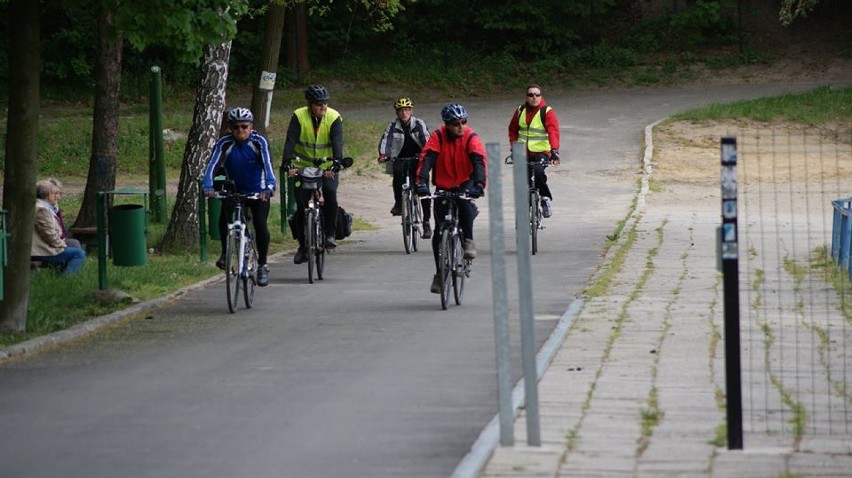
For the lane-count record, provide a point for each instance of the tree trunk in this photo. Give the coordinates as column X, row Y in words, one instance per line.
column 272, row 33
column 182, row 233
column 102, row 163
column 21, row 144
column 297, row 40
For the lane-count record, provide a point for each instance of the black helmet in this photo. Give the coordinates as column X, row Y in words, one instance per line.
column 453, row 112
column 317, row 93
column 240, row 115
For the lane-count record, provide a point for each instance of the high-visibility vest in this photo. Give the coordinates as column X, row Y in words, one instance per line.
column 534, row 134
column 314, row 145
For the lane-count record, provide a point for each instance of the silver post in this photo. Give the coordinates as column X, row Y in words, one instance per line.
column 525, row 298
column 499, row 295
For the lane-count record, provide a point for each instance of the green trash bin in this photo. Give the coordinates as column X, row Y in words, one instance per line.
column 127, row 231
column 214, row 209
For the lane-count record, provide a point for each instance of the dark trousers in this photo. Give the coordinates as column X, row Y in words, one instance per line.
column 259, row 211
column 541, row 180
column 467, row 213
column 329, row 208
column 400, row 169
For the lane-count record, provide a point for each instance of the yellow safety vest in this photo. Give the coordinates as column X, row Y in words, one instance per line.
column 534, row 134
column 312, row 146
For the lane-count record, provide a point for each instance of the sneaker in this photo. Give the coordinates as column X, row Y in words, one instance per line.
column 330, row 242
column 396, row 210
column 220, row 262
column 546, row 207
column 427, row 231
column 300, row 256
column 436, row 285
column 263, row 275
column 469, row 249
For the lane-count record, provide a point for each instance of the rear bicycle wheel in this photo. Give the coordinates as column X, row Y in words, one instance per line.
column 535, row 219
column 310, row 242
column 458, row 270
column 445, row 267
column 232, row 269
column 407, row 221
column 249, row 272
column 320, row 245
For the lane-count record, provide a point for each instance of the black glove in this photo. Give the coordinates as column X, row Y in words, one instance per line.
column 421, row 190
column 474, row 190
column 554, row 154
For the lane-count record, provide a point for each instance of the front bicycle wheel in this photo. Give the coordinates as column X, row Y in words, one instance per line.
column 320, row 245
column 445, row 267
column 232, row 269
column 249, row 271
column 310, row 242
column 416, row 221
column 458, row 270
column 407, row 221
column 535, row 219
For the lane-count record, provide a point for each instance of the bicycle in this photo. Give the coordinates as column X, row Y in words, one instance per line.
column 411, row 209
column 314, row 227
column 240, row 250
column 453, row 268
column 535, row 211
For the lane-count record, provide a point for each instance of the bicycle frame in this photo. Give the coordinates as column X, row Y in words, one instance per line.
column 245, row 266
column 411, row 209
column 453, row 267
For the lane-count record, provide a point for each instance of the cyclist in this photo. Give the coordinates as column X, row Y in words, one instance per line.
column 536, row 124
column 315, row 132
column 404, row 138
column 243, row 155
column 456, row 155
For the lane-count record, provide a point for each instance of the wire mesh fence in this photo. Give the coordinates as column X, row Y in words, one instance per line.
column 795, row 315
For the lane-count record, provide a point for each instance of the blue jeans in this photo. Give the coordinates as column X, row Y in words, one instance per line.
column 70, row 261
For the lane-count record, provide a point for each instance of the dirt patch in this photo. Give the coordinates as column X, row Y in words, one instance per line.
column 777, row 152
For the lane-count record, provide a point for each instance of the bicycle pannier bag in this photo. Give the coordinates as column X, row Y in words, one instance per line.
column 344, row 224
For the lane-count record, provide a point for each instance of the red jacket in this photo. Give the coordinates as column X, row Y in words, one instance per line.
column 551, row 123
column 455, row 161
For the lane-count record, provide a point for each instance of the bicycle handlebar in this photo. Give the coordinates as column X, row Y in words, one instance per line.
column 332, row 164
column 227, row 194
column 538, row 159
column 450, row 193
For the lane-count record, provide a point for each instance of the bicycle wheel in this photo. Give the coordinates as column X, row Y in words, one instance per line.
column 458, row 270
column 535, row 219
column 249, row 271
column 310, row 242
column 416, row 221
column 320, row 245
column 407, row 221
column 232, row 269
column 445, row 266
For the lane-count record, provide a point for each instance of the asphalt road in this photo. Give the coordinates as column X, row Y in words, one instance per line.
column 359, row 375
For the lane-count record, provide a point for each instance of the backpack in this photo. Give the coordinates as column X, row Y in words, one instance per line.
column 344, row 224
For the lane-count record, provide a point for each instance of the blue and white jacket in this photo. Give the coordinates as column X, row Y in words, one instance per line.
column 248, row 164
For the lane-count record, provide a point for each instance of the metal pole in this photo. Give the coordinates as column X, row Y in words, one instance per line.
column 499, row 296
column 157, row 170
column 525, row 302
column 282, row 179
column 730, row 272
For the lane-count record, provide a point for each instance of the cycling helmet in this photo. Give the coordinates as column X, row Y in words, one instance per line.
column 240, row 115
column 453, row 112
column 403, row 103
column 317, row 94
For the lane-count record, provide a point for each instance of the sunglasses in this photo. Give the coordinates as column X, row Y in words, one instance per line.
column 456, row 123
column 241, row 126
column 533, row 95
column 319, row 103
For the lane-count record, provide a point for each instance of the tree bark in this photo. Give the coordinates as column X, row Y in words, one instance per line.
column 272, row 33
column 182, row 232
column 21, row 158
column 102, row 163
column 297, row 40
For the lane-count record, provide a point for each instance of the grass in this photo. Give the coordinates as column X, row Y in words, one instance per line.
column 812, row 108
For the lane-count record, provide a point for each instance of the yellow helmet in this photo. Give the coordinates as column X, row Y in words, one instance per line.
column 403, row 103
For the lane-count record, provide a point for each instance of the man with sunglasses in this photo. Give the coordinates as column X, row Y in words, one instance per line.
column 315, row 132
column 456, row 155
column 535, row 124
column 243, row 155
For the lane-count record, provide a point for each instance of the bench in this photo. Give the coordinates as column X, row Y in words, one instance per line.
column 88, row 237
